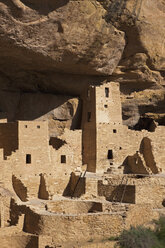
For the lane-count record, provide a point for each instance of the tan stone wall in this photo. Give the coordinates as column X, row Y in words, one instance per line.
column 56, row 184
column 116, row 192
column 108, row 104
column 80, row 228
column 109, row 137
column 71, row 149
column 4, row 210
column 28, row 186
column 6, row 174
column 74, row 206
column 105, row 131
column 32, row 133
column 126, row 142
column 148, row 190
column 84, row 227
column 104, row 110
column 140, row 214
column 153, row 193
column 19, row 240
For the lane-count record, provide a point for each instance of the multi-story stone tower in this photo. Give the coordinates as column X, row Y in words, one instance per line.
column 101, row 122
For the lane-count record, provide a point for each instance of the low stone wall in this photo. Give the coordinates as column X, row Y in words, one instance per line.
column 68, row 228
column 84, row 227
column 19, row 240
column 74, row 207
column 131, row 189
column 118, row 193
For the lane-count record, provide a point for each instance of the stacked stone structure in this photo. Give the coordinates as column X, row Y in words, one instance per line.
column 85, row 184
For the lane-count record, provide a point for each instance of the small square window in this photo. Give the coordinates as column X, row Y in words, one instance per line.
column 105, row 106
column 63, row 159
column 38, row 126
column 114, row 131
column 106, row 92
column 28, row 158
column 25, row 126
column 110, row 154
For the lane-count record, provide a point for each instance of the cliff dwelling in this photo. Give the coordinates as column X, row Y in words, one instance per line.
column 82, row 121
column 45, row 179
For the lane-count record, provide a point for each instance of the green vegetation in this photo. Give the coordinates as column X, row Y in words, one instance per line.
column 113, row 238
column 141, row 237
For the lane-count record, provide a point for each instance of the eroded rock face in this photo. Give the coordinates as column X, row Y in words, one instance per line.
column 66, row 37
column 142, row 67
column 63, row 46
column 60, row 111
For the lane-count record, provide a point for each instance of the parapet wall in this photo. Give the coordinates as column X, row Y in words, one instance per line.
column 84, row 227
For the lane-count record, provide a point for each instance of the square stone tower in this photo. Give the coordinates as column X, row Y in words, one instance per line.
column 101, row 121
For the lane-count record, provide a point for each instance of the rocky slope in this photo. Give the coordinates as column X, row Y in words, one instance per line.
column 60, row 47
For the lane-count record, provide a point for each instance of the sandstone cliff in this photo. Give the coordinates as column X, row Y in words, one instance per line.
column 62, row 46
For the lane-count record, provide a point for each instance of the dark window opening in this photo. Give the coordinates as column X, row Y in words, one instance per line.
column 107, row 92
column 114, row 131
column 110, row 154
column 38, row 126
column 120, row 148
column 63, row 159
column 89, row 116
column 105, row 106
column 25, row 126
column 28, row 158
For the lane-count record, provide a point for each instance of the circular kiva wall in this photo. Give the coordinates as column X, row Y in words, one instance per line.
column 74, row 207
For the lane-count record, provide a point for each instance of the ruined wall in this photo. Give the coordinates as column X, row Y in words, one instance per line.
column 56, row 183
column 117, row 193
column 125, row 142
column 54, row 163
column 74, row 206
column 114, row 142
column 68, row 155
column 153, row 154
column 83, row 227
column 146, row 190
column 152, row 192
column 18, row 240
column 140, row 214
column 4, row 209
column 6, row 174
column 80, row 227
column 32, row 186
